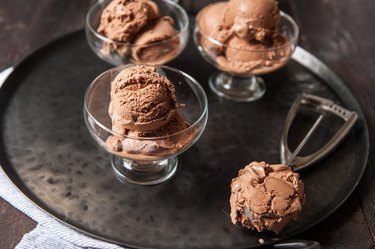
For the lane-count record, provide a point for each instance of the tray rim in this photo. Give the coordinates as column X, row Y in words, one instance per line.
column 300, row 56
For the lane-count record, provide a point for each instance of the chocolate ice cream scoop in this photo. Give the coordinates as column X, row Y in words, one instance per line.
column 242, row 56
column 137, row 31
column 122, row 19
column 255, row 19
column 266, row 197
column 141, row 100
column 154, row 148
column 144, row 110
column 156, row 42
column 175, row 125
column 211, row 18
column 212, row 25
column 243, row 36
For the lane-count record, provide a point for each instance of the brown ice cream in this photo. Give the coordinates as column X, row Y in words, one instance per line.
column 144, row 111
column 266, row 197
column 240, row 33
column 141, row 100
column 149, row 45
column 212, row 23
column 253, row 19
column 133, row 25
column 122, row 19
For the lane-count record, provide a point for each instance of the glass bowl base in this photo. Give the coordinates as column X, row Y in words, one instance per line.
column 237, row 88
column 144, row 172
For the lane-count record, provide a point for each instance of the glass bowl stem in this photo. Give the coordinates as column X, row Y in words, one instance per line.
column 144, row 172
column 238, row 88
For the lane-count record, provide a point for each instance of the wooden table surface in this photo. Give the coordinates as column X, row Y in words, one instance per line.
column 340, row 33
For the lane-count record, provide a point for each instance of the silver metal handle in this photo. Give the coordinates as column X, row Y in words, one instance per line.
column 4, row 74
column 297, row 244
column 322, row 105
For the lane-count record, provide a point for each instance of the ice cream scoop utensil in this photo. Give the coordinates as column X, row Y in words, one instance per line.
column 323, row 106
column 304, row 140
column 245, row 188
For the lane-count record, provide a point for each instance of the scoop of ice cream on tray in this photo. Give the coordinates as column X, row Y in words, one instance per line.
column 242, row 39
column 269, row 196
column 266, row 197
column 137, row 31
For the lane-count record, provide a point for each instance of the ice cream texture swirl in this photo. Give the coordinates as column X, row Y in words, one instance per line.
column 242, row 35
column 145, row 113
column 266, row 196
column 138, row 30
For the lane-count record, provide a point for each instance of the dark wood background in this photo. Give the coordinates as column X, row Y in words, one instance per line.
column 340, row 33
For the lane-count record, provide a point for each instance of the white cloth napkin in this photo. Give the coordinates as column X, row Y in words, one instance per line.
column 49, row 233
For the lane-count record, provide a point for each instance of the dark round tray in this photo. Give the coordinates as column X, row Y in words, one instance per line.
column 46, row 150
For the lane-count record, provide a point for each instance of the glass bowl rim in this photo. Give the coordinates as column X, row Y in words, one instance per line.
column 198, row 86
column 289, row 43
column 102, row 37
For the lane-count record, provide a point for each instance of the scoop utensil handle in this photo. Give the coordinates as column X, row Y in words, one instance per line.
column 304, row 140
column 323, row 106
column 297, row 244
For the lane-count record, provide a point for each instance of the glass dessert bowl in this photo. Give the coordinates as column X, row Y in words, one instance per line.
column 139, row 32
column 144, row 151
column 241, row 61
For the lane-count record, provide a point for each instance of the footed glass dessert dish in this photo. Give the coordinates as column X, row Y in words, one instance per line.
column 145, row 116
column 140, row 32
column 242, row 49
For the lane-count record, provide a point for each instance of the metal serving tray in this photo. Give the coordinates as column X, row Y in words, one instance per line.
column 48, row 154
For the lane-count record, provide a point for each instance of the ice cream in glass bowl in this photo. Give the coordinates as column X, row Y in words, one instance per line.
column 244, row 39
column 145, row 116
column 137, row 31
